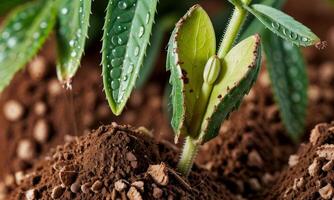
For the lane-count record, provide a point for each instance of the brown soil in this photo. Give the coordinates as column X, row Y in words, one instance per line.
column 37, row 114
column 310, row 173
column 114, row 162
column 251, row 148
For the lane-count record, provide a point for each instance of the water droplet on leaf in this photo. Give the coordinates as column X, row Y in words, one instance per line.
column 141, row 31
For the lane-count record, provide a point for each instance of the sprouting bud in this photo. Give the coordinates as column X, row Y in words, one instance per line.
column 211, row 70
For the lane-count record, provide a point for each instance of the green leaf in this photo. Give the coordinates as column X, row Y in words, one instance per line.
column 73, row 19
column 159, row 30
column 283, row 25
column 21, row 36
column 240, row 69
column 191, row 45
column 288, row 75
column 254, row 26
column 126, row 35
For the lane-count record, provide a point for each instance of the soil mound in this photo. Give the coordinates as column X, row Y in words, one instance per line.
column 114, row 162
column 310, row 173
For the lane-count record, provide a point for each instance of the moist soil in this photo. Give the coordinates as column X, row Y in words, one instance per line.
column 114, row 162
column 310, row 173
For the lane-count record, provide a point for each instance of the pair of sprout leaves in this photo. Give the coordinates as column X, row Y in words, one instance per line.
column 127, row 31
column 207, row 88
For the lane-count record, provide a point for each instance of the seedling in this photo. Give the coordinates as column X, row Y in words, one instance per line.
column 207, row 85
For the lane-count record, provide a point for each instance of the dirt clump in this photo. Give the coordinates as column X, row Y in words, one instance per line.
column 110, row 163
column 312, row 176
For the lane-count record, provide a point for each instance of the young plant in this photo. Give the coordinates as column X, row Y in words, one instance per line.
column 207, row 85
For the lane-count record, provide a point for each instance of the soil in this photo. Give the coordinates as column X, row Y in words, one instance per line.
column 114, row 162
column 37, row 113
column 310, row 173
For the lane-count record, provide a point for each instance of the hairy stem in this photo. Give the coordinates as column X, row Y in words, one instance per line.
column 188, row 155
column 233, row 29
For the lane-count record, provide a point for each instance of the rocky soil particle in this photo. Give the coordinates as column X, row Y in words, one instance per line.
column 312, row 177
column 98, row 166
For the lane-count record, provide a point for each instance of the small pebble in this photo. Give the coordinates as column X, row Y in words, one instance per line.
column 67, row 178
column 293, row 160
column 97, row 186
column 41, row 131
column 37, row 68
column 40, row 108
column 254, row 184
column 57, row 192
column 159, row 173
column 75, row 187
column 13, row 110
column 254, row 159
column 133, row 194
column 19, row 176
column 120, row 185
column 313, row 169
column 328, row 166
column 26, row 150
column 85, row 188
column 31, row 194
column 326, row 192
column 157, row 192
column 54, row 87
column 139, row 185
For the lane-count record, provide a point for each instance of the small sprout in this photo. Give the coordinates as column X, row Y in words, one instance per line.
column 212, row 70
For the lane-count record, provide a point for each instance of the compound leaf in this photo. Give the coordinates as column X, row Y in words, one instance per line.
column 73, row 19
column 126, row 35
column 288, row 76
column 240, row 68
column 191, row 45
column 283, row 25
column 21, row 36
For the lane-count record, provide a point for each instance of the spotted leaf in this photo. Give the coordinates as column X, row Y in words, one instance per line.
column 284, row 25
column 240, row 69
column 191, row 45
column 127, row 31
column 21, row 36
column 288, row 76
column 73, row 19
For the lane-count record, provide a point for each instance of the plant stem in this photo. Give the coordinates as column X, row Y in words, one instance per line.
column 188, row 155
column 233, row 28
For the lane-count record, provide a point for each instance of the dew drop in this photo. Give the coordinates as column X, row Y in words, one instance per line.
column 120, row 41
column 36, row 35
column 115, row 84
column 114, row 40
column 118, row 51
column 115, row 72
column 73, row 54
column 130, row 68
column 147, row 19
column 115, row 95
column 5, row 35
column 78, row 32
column 304, row 39
column 275, row 25
column 64, row 11
column 43, row 25
column 116, row 62
column 293, row 36
column 122, row 5
column 125, row 78
column 71, row 43
column 11, row 42
column 285, row 32
column 17, row 26
column 141, row 31
column 136, row 52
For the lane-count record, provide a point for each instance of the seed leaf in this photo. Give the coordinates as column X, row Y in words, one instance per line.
column 21, row 36
column 283, row 25
column 127, row 31
column 289, row 80
column 73, row 19
column 191, row 45
column 240, row 68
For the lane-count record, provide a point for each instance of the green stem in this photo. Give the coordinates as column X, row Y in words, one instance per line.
column 233, row 28
column 188, row 155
